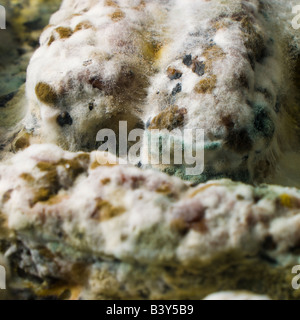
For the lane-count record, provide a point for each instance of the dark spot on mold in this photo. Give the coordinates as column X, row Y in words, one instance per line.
column 269, row 244
column 239, row 141
column 91, row 106
column 262, row 169
column 64, row 119
column 243, row 81
column 6, row 98
column 177, row 89
column 126, row 78
column 245, row 158
column 187, row 60
column 97, row 83
column 255, row 41
column 174, row 74
column 191, row 219
column 264, row 124
column 228, row 122
column 198, row 67
column 265, row 92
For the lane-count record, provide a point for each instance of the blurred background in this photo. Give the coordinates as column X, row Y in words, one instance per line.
column 25, row 20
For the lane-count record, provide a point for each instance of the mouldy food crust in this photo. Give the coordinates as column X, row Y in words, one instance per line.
column 133, row 62
column 70, row 219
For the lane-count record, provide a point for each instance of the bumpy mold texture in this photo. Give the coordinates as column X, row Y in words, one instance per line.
column 71, row 228
column 227, row 64
column 119, row 232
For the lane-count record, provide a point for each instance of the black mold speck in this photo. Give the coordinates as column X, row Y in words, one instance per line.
column 177, row 75
column 91, row 106
column 264, row 124
column 187, row 60
column 199, row 68
column 64, row 119
column 177, row 89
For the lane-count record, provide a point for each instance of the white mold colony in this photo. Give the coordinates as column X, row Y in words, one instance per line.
column 216, row 65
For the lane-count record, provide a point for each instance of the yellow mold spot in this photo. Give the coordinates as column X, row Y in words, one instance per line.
column 164, row 188
column 64, row 32
column 110, row 3
column 83, row 26
column 206, row 86
column 118, row 15
column 171, row 118
column 105, row 211
column 211, row 54
column 51, row 40
column 46, row 93
column 289, row 201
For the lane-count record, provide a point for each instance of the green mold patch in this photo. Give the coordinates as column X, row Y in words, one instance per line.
column 263, row 122
column 46, row 94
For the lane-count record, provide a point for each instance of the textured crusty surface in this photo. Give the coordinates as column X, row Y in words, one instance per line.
column 233, row 296
column 227, row 67
column 122, row 232
column 71, row 228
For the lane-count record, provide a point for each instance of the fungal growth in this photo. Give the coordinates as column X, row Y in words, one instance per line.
column 74, row 225
column 141, row 62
